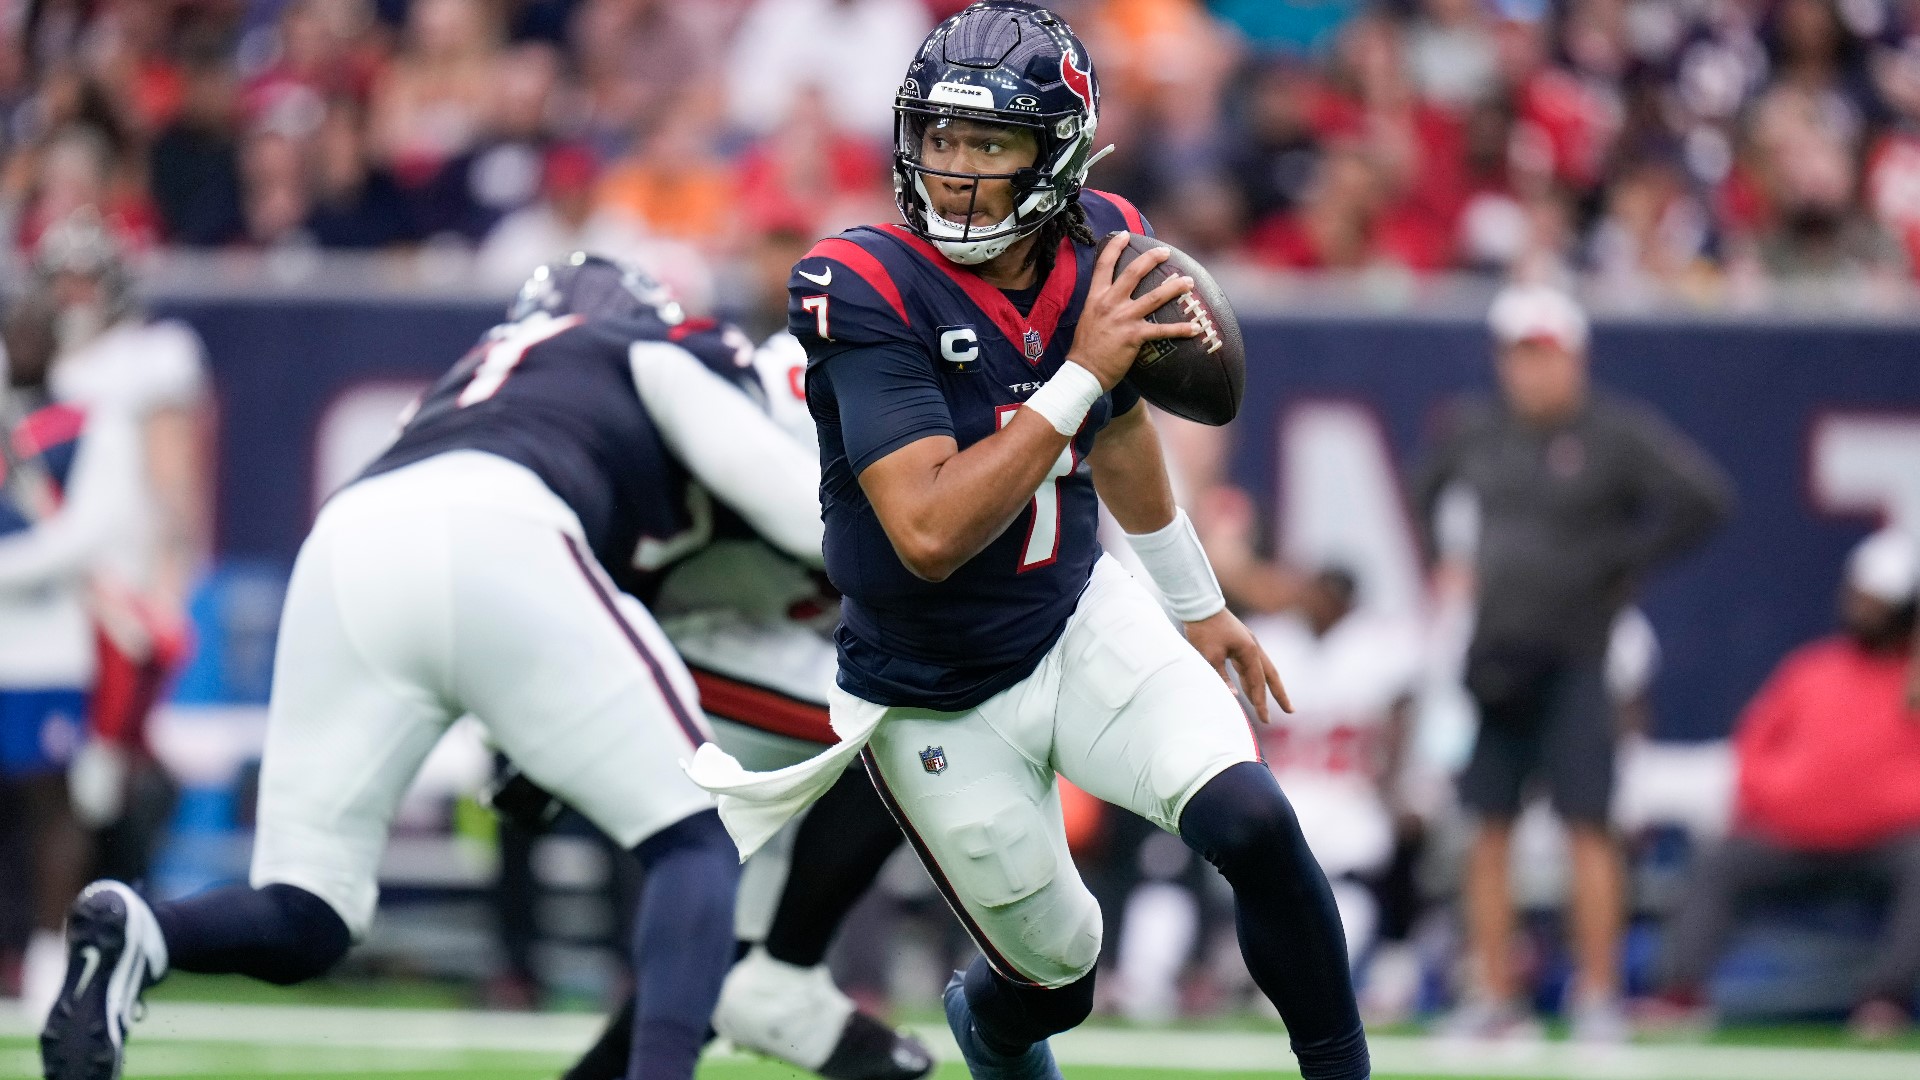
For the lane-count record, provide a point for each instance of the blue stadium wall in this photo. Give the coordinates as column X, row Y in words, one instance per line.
column 1755, row 394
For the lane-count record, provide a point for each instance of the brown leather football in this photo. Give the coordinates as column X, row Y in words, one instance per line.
column 1199, row 378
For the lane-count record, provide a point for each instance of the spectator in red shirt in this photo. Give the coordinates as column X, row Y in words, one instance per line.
column 1828, row 795
column 1348, row 223
column 320, row 51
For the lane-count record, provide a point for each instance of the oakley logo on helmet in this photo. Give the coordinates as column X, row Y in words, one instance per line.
column 1025, row 102
column 1078, row 80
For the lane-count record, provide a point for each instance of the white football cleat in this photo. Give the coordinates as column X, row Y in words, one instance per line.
column 114, row 952
column 799, row 1016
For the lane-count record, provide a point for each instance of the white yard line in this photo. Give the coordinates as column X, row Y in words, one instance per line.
column 162, row 1058
column 438, row 1039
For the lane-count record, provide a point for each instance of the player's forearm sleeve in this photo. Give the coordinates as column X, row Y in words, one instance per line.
column 103, row 485
column 1179, row 568
column 732, row 447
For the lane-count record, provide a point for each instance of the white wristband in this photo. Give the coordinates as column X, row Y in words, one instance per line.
column 1179, row 567
column 1066, row 397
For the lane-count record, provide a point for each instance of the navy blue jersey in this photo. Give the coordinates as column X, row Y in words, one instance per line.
column 903, row 344
column 557, row 395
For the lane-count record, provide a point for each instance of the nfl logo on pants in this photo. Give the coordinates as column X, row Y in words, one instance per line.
column 934, row 759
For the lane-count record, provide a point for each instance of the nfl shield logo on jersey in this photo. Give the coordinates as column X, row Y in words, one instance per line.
column 934, row 759
column 1033, row 345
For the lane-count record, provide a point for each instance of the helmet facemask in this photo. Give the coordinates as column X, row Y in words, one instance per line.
column 1040, row 190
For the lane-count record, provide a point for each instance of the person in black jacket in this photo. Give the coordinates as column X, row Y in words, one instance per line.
column 1579, row 494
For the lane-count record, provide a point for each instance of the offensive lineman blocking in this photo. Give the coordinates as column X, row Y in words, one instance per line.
column 754, row 627
column 965, row 378
column 472, row 568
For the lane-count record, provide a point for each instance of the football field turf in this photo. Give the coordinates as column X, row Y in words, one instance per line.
column 228, row 1041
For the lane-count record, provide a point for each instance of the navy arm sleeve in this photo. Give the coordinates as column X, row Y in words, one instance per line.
column 885, row 396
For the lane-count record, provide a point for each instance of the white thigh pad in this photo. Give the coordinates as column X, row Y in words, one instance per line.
column 1004, row 852
column 991, row 821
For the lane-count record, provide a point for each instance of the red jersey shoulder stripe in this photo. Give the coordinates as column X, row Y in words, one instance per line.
column 862, row 262
column 48, row 427
column 1135, row 223
column 1044, row 317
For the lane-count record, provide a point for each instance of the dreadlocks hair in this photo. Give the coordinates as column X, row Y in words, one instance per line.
column 1070, row 222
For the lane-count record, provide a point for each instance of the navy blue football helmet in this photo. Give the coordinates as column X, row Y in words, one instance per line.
column 1000, row 62
column 597, row 287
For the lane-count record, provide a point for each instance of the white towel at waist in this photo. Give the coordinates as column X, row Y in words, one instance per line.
column 754, row 805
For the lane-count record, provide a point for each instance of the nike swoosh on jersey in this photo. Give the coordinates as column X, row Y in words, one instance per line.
column 822, row 279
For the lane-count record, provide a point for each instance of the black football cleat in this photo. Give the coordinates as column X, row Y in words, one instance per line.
column 114, row 952
column 870, row 1050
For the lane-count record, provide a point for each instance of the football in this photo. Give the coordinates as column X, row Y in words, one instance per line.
column 1198, row 378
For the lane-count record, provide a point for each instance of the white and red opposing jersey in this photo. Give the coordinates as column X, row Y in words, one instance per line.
column 133, row 369
column 739, row 607
column 1343, row 685
column 1327, row 753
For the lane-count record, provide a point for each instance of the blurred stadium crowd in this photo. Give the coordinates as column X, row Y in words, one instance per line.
column 1700, row 150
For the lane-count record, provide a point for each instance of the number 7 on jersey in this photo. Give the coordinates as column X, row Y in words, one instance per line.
column 1043, row 535
column 818, row 305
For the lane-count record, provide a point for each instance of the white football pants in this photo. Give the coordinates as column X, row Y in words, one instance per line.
column 459, row 584
column 1121, row 705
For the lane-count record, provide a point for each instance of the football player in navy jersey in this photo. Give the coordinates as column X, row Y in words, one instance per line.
column 965, row 376
column 595, row 435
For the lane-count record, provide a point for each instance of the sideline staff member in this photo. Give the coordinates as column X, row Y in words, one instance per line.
column 1580, row 494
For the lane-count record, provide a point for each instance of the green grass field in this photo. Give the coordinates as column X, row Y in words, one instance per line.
column 320, row 1056
column 227, row 1030
column 206, row 1061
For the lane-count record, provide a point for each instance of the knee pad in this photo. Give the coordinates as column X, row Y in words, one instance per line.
column 1042, row 923
column 1241, row 822
column 1061, row 940
column 312, row 937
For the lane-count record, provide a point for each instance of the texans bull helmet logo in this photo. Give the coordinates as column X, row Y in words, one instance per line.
column 1079, row 79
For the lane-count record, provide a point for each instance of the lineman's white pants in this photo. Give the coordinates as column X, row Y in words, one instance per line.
column 459, row 584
